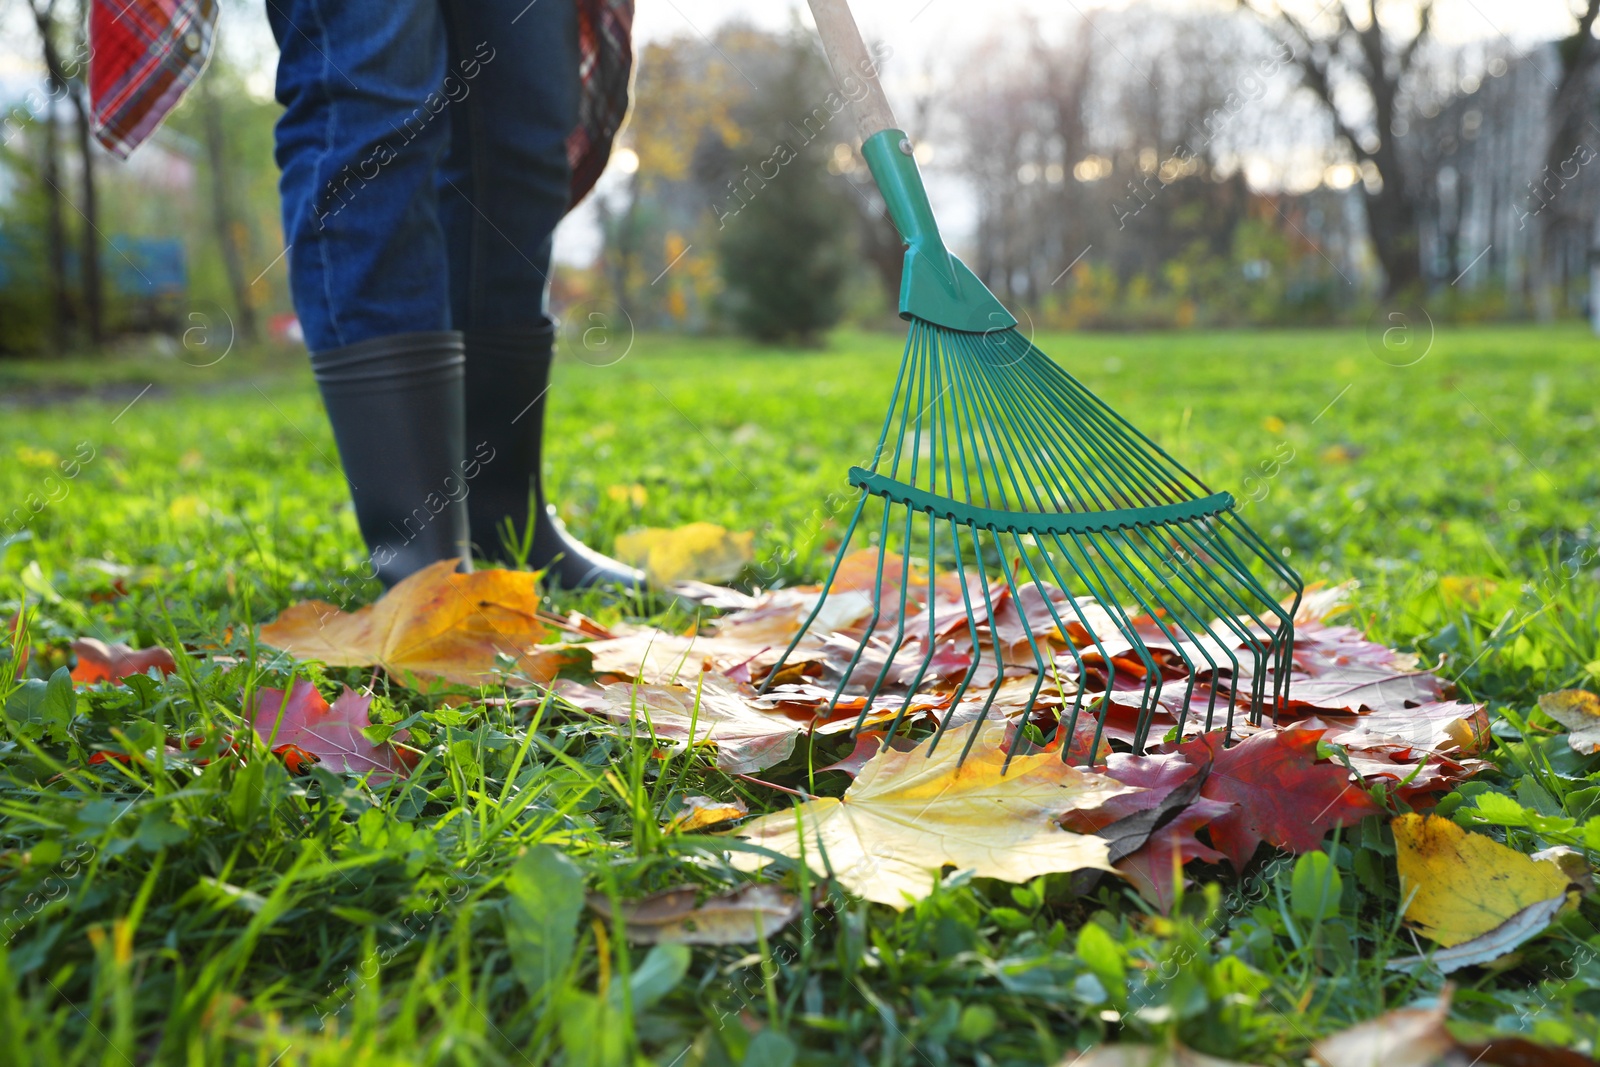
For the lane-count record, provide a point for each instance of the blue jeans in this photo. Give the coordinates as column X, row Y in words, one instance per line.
column 423, row 158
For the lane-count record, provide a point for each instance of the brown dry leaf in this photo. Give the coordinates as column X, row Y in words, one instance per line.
column 699, row 812
column 1579, row 711
column 910, row 814
column 713, row 709
column 735, row 917
column 1416, row 1037
column 434, row 624
column 1145, row 1056
column 1410, row 1037
column 702, row 551
column 1463, row 885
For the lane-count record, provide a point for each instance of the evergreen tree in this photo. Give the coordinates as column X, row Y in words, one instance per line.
column 784, row 226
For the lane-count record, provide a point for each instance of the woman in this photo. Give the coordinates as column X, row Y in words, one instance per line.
column 428, row 148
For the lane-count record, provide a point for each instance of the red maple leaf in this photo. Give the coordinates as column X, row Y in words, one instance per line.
column 309, row 731
column 1284, row 796
column 1153, row 869
column 100, row 662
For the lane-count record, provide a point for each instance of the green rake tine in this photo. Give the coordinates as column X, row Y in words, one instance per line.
column 1257, row 691
column 816, row 609
column 977, row 648
column 916, row 684
column 1154, row 489
column 1109, row 602
column 969, row 366
column 999, row 660
column 1125, row 545
column 1025, row 418
column 1038, row 657
column 1127, row 631
column 1071, row 727
column 1153, row 493
column 1207, row 592
column 1146, row 541
column 1243, row 531
column 1061, row 627
column 872, row 623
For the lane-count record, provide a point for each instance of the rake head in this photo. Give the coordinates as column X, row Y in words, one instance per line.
column 1021, row 534
column 1031, row 554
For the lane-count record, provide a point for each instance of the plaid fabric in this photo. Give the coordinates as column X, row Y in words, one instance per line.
column 145, row 53
column 605, row 29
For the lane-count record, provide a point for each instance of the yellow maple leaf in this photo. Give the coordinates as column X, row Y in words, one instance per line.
column 1579, row 711
column 701, row 550
column 434, row 624
column 1461, row 885
column 908, row 815
column 699, row 812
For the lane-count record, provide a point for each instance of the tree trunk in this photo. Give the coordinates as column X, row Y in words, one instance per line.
column 50, row 172
column 1392, row 227
column 89, row 240
column 1594, row 277
column 224, row 217
column 1570, row 108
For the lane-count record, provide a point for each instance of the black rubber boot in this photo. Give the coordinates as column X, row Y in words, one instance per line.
column 508, row 375
column 397, row 412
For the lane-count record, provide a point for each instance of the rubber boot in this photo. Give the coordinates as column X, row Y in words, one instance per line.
column 397, row 412
column 508, row 375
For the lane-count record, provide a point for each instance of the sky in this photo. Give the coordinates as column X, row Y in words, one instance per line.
column 922, row 33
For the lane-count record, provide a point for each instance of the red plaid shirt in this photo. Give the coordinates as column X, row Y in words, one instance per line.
column 145, row 53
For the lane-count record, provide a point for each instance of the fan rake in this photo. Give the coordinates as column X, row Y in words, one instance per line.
column 1011, row 506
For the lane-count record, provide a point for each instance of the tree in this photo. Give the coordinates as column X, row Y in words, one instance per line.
column 1334, row 53
column 1571, row 126
column 784, row 237
column 77, row 84
column 224, row 213
column 44, row 20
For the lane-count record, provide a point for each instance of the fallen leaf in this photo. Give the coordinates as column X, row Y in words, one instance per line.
column 311, row 731
column 699, row 812
column 1573, row 863
column 1439, row 726
column 1520, row 1052
column 734, row 917
column 434, row 624
column 1579, row 711
column 1486, row 948
column 1416, row 1037
column 1409, row 1037
column 1463, row 885
column 867, row 744
column 100, row 662
column 1282, row 794
column 715, row 709
column 701, row 551
column 1174, row 1055
column 910, row 814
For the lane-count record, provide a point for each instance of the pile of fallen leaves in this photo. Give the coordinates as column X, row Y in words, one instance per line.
column 1365, row 731
column 1364, row 727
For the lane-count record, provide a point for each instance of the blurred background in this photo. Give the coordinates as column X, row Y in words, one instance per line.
column 1128, row 166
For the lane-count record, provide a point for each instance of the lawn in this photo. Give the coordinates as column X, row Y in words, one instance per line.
column 232, row 913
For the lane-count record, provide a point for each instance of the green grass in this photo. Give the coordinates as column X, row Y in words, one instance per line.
column 159, row 912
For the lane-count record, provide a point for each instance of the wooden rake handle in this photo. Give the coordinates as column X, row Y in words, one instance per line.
column 854, row 68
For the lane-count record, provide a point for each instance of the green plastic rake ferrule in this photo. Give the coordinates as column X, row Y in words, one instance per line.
column 1036, row 522
column 935, row 286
